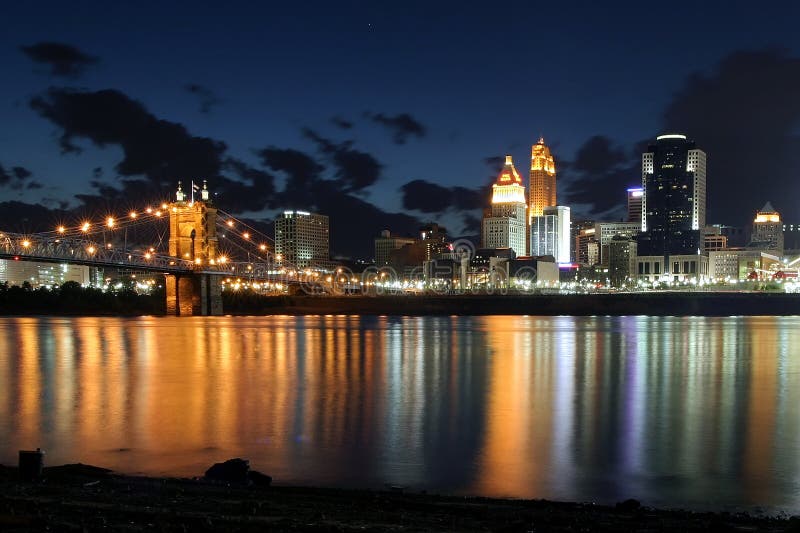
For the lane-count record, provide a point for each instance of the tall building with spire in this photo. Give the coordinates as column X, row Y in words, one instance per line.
column 504, row 224
column 542, row 191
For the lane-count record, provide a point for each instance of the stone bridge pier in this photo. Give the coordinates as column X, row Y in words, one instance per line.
column 194, row 294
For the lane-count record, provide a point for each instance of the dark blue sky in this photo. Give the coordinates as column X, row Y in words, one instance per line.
column 482, row 80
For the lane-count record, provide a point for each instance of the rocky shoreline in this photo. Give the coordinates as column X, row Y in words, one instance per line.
column 86, row 498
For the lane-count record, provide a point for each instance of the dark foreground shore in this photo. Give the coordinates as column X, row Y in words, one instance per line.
column 616, row 304
column 83, row 498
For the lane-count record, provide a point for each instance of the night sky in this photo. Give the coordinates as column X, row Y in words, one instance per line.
column 388, row 115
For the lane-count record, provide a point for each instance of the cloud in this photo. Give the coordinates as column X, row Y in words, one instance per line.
column 744, row 114
column 15, row 179
column 600, row 174
column 157, row 152
column 342, row 123
column 64, row 60
column 355, row 170
column 161, row 151
column 208, row 100
column 427, row 197
column 401, row 126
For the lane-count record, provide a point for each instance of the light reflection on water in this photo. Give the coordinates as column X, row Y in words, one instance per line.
column 672, row 411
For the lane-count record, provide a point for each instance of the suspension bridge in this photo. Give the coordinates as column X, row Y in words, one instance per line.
column 204, row 246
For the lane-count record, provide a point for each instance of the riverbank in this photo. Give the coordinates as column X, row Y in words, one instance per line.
column 615, row 304
column 84, row 498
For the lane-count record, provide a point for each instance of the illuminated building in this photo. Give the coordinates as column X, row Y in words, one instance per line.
column 542, row 191
column 385, row 244
column 504, row 224
column 621, row 260
column 583, row 240
column 713, row 242
column 302, row 239
column 550, row 233
column 605, row 231
column 673, row 204
column 409, row 258
column 681, row 268
column 767, row 231
column 582, row 234
column 791, row 239
column 741, row 264
column 635, row 204
column 45, row 274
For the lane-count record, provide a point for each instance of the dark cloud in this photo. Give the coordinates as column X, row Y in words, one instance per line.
column 161, row 150
column 22, row 217
column 472, row 224
column 354, row 221
column 355, row 170
column 300, row 171
column 600, row 174
column 158, row 150
column 342, row 123
column 208, row 100
column 401, row 126
column 21, row 173
column 156, row 153
column 63, row 59
column 34, row 185
column 427, row 197
column 744, row 114
column 15, row 178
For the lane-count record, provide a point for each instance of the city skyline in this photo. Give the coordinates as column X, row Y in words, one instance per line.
column 402, row 131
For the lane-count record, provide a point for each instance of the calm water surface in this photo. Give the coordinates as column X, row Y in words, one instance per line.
column 697, row 412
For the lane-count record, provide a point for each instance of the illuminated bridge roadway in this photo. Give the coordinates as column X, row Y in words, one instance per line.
column 202, row 241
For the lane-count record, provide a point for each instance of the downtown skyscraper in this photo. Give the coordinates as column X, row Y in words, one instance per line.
column 504, row 223
column 673, row 206
column 542, row 191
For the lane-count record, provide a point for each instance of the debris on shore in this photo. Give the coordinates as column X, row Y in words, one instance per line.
column 87, row 498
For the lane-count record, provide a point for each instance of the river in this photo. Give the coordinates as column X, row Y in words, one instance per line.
column 690, row 412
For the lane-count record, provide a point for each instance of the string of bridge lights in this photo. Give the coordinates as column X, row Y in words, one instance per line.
column 251, row 241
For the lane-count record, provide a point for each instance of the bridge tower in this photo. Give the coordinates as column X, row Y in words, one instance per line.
column 193, row 237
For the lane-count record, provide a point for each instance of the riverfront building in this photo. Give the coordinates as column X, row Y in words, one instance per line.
column 385, row 244
column 635, row 204
column 302, row 239
column 504, row 224
column 767, row 231
column 550, row 234
column 673, row 208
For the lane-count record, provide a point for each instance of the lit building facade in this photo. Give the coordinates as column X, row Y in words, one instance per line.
column 542, row 191
column 46, row 274
column 674, row 201
column 605, row 231
column 621, row 260
column 302, row 239
column 550, row 234
column 741, row 264
column 385, row 244
column 681, row 268
column 504, row 222
column 635, row 204
column 584, row 239
column 767, row 230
